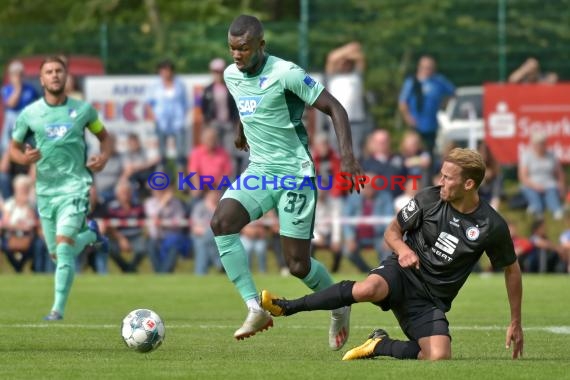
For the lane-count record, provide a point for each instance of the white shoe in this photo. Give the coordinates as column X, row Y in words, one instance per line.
column 257, row 320
column 340, row 326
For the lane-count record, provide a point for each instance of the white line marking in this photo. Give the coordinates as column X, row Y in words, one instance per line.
column 565, row 330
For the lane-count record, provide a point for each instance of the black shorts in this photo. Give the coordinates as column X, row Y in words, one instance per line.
column 415, row 310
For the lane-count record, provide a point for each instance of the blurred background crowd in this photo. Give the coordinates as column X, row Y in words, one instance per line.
column 168, row 230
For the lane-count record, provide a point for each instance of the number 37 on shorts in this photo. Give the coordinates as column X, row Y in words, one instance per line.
column 296, row 213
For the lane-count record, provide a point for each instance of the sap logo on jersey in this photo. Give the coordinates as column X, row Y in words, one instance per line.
column 247, row 105
column 57, row 131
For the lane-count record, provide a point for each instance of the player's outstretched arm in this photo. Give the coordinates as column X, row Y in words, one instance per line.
column 327, row 104
column 97, row 162
column 513, row 281
column 23, row 155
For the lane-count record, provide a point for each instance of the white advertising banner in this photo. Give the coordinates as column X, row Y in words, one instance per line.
column 122, row 102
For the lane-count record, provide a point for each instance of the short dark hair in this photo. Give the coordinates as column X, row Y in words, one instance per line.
column 246, row 24
column 165, row 64
column 53, row 58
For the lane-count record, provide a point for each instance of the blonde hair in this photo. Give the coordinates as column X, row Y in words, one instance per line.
column 471, row 164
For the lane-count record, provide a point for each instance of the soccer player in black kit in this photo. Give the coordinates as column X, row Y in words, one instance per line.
column 436, row 239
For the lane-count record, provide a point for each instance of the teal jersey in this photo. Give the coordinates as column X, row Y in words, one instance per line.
column 271, row 105
column 59, row 134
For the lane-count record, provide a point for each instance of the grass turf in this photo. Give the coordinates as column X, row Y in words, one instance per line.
column 201, row 315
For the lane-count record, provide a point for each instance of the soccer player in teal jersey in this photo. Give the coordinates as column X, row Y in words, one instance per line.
column 271, row 95
column 57, row 126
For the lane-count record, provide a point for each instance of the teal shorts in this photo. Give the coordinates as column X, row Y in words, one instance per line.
column 62, row 216
column 293, row 200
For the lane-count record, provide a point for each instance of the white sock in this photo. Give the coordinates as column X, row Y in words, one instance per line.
column 340, row 311
column 253, row 304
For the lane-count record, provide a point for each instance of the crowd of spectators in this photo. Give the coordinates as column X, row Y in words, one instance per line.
column 165, row 226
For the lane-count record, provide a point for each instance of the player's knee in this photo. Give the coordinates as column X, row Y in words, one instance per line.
column 229, row 218
column 59, row 239
column 367, row 291
column 216, row 225
column 299, row 268
column 435, row 354
column 221, row 225
column 363, row 292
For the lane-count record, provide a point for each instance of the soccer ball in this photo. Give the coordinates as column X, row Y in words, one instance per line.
column 143, row 330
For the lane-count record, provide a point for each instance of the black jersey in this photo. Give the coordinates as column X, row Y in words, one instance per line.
column 449, row 243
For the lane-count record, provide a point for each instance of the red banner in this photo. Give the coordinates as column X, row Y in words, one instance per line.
column 513, row 112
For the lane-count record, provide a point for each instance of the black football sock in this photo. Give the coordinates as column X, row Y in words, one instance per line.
column 333, row 297
column 397, row 349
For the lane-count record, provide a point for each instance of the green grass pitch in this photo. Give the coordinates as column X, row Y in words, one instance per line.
column 201, row 315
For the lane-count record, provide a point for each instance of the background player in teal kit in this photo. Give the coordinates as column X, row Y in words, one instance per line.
column 56, row 126
column 271, row 94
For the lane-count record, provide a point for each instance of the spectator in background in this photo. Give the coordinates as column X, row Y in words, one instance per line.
column 20, row 241
column 411, row 189
column 137, row 165
column 370, row 203
column 205, row 249
column 420, row 98
column 72, row 89
column 151, row 206
column 327, row 227
column 492, row 186
column 546, row 256
column 271, row 222
column 523, row 246
column 168, row 237
column 448, row 146
column 71, row 86
column 107, row 179
column 208, row 159
column 542, row 178
column 529, row 72
column 345, row 81
column 126, row 239
column 96, row 255
column 329, row 202
column 381, row 161
column 254, row 240
column 169, row 110
column 417, row 161
column 565, row 244
column 220, row 112
column 16, row 95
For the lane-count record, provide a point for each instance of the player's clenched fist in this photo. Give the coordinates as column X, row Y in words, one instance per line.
column 96, row 163
column 32, row 155
column 409, row 259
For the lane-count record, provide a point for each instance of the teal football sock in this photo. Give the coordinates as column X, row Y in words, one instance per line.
column 318, row 277
column 64, row 274
column 83, row 239
column 234, row 260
